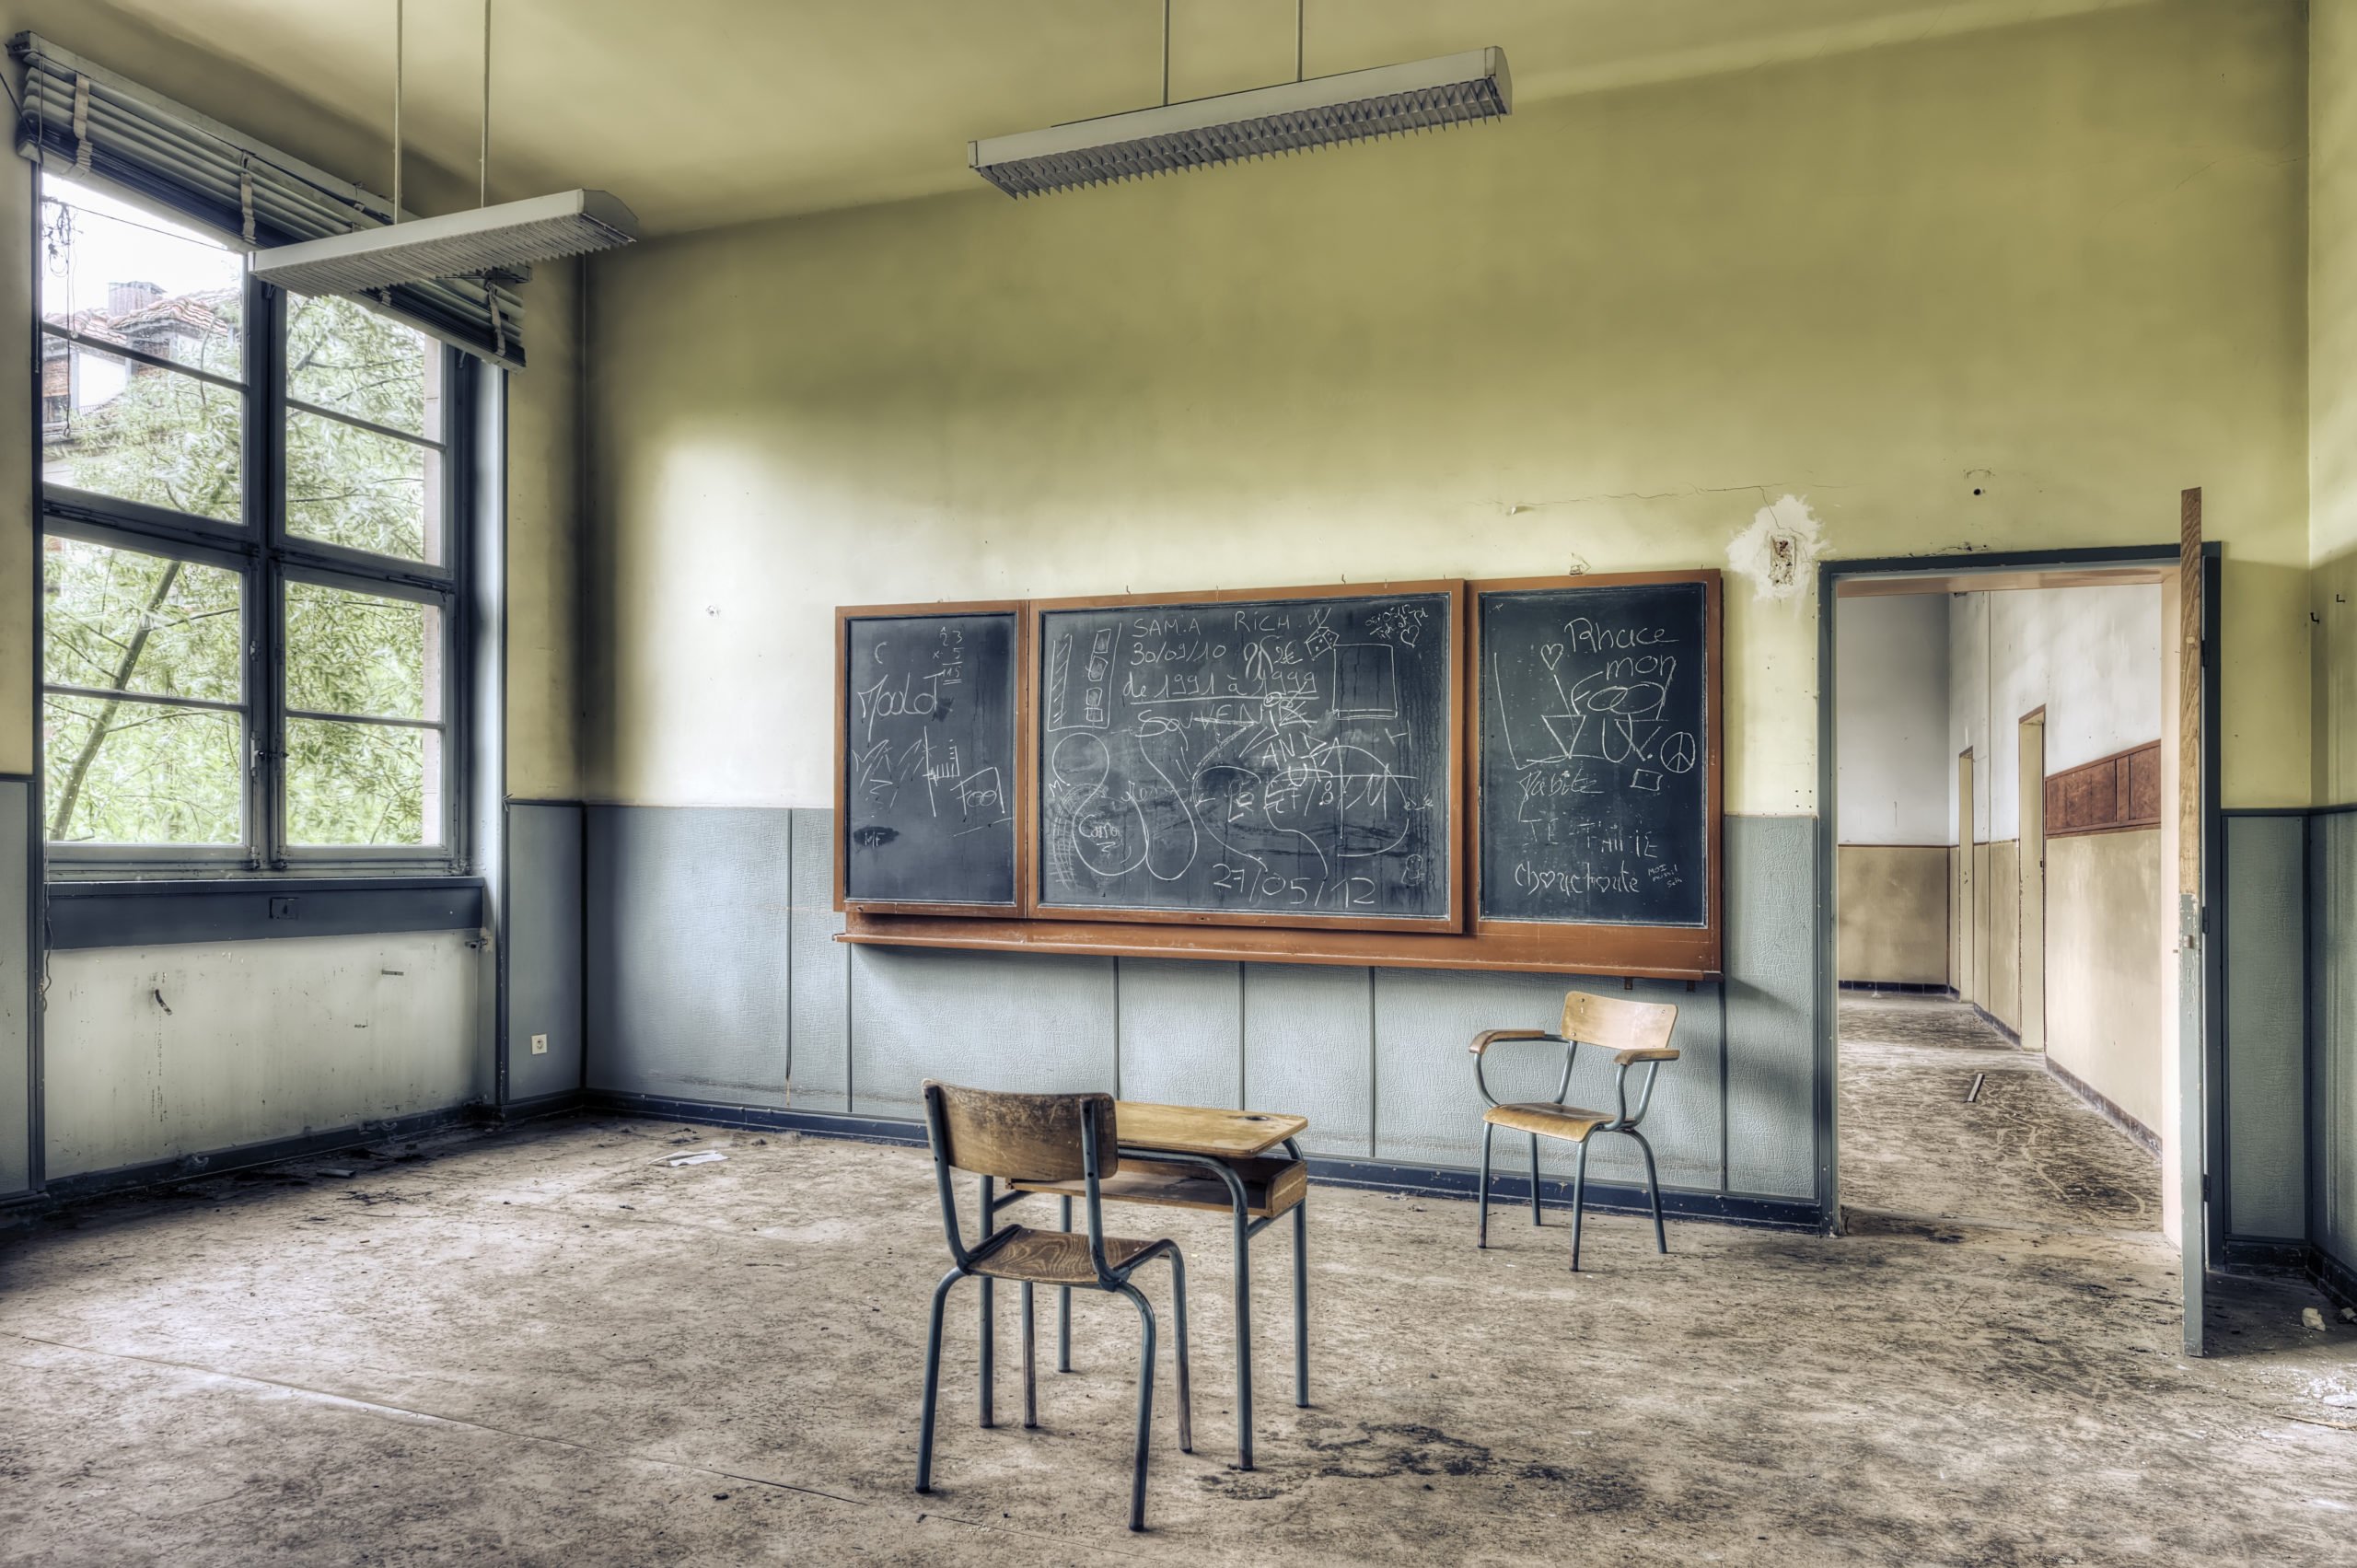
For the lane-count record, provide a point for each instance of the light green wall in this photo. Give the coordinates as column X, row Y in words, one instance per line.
column 2332, row 391
column 2063, row 263
column 543, row 561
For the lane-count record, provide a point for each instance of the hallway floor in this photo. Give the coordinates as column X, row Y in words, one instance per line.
column 551, row 1346
column 2026, row 1151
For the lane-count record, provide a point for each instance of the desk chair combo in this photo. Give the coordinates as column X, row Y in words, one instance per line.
column 1042, row 1138
column 1634, row 1032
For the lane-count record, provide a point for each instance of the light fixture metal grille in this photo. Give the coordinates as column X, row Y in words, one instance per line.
column 488, row 239
column 1453, row 89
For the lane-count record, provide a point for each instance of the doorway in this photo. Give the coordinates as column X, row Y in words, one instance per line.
column 2046, row 832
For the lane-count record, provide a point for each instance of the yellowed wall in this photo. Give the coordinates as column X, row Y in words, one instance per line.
column 2062, row 264
column 2104, row 988
column 1894, row 908
column 2332, row 391
column 543, row 456
column 2000, row 914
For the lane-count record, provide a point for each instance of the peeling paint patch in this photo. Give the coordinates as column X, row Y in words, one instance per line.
column 1778, row 553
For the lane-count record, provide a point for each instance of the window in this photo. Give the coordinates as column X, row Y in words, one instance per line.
column 253, row 559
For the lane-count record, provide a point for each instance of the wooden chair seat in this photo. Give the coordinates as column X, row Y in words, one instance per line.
column 1548, row 1120
column 1051, row 1257
column 1271, row 1185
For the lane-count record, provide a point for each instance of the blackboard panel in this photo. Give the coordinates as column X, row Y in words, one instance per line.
column 929, row 751
column 1282, row 760
column 1596, row 747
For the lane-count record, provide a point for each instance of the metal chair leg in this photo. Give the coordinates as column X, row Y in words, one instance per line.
column 1178, row 1312
column 1243, row 1342
column 1145, row 1406
column 1579, row 1195
column 1030, row 1371
column 990, row 1348
column 1064, row 1305
column 1301, row 1304
column 1481, row 1237
column 1653, row 1190
column 932, row 1380
column 1534, row 1181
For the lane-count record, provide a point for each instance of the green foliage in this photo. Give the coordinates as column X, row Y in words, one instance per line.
column 123, row 771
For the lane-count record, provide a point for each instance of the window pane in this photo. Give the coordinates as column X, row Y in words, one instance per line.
column 355, row 488
column 141, row 773
column 345, row 357
column 362, row 783
column 111, row 275
column 350, row 653
column 130, row 430
column 124, row 620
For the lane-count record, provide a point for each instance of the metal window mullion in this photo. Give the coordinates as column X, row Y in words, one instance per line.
column 154, row 362
column 146, row 699
column 297, row 405
column 267, row 307
column 322, row 716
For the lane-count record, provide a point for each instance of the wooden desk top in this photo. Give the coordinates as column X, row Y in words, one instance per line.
column 1202, row 1129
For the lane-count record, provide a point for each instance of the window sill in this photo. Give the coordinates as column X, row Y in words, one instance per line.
column 147, row 913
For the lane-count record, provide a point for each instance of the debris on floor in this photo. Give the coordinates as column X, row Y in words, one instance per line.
column 702, row 1157
column 2311, row 1317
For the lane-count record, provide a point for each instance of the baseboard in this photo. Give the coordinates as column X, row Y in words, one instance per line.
column 1375, row 1176
column 1997, row 1023
column 2103, row 1105
column 1901, row 987
column 2333, row 1277
column 2265, row 1254
column 244, row 1157
column 534, row 1107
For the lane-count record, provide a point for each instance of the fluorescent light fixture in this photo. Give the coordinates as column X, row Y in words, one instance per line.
column 1452, row 89
column 503, row 239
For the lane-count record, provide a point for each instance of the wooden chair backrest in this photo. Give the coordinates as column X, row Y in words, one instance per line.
column 1022, row 1137
column 1617, row 1023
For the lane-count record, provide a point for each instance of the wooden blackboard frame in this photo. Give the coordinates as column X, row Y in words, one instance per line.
column 1600, row 947
column 1017, row 907
column 1031, row 820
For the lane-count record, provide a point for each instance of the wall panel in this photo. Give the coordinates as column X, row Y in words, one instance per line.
column 1182, row 1031
column 1894, row 913
column 2332, row 1181
column 687, row 952
column 155, row 1054
column 985, row 1020
column 819, row 973
column 1309, row 1050
column 2105, row 987
column 15, row 989
column 544, row 934
column 2266, row 1087
column 1772, row 1006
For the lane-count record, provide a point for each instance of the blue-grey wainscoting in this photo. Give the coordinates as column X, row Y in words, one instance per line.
column 713, row 978
column 543, row 931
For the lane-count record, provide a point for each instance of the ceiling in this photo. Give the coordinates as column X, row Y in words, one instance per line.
column 699, row 113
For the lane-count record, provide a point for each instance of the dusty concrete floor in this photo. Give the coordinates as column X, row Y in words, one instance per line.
column 549, row 1346
column 2028, row 1151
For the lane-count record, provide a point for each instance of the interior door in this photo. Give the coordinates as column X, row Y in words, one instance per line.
column 1967, row 925
column 2032, row 924
column 2194, row 1113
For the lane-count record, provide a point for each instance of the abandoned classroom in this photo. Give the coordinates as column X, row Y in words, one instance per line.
column 1220, row 781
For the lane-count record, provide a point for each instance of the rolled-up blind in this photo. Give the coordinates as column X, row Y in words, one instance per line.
column 88, row 123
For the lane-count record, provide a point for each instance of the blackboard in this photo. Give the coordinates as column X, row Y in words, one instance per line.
column 1598, row 756
column 928, row 787
column 1274, row 759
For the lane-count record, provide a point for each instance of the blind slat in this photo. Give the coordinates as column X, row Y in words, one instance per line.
column 163, row 154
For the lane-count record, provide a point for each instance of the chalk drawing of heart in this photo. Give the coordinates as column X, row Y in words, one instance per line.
column 1552, row 655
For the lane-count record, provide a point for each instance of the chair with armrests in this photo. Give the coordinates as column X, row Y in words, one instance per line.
column 1634, row 1032
column 1015, row 1137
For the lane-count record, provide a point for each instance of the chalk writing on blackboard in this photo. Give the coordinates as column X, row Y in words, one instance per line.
column 1270, row 758
column 1594, row 732
column 930, row 720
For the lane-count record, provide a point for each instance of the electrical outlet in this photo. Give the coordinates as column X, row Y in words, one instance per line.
column 539, row 1045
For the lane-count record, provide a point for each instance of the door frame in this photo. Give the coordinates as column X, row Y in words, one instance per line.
column 2032, row 803
column 2203, row 1000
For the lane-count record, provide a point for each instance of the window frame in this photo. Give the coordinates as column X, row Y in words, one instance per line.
column 267, row 555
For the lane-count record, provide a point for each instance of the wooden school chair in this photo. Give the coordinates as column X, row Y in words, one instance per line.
column 1633, row 1032
column 1042, row 1138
